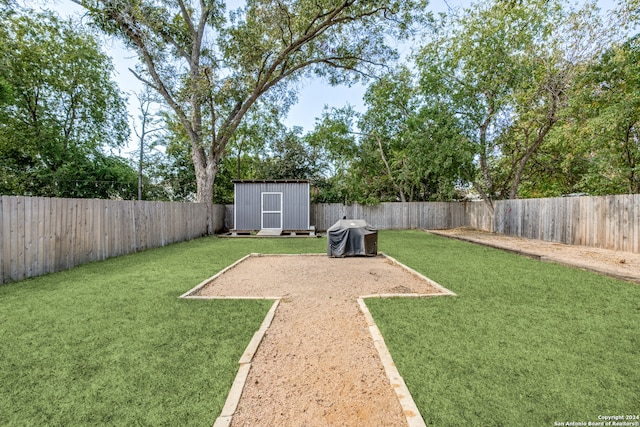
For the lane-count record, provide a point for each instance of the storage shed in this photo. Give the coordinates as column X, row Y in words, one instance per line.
column 271, row 205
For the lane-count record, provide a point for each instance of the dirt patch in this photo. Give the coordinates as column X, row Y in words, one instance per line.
column 317, row 364
column 622, row 265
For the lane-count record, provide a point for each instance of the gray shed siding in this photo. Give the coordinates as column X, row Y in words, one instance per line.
column 249, row 204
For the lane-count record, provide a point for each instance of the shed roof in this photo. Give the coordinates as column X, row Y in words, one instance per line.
column 270, row 181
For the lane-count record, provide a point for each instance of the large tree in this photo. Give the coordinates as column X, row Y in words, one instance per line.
column 399, row 149
column 211, row 69
column 289, row 156
column 606, row 121
column 618, row 104
column 63, row 111
column 417, row 144
column 504, row 70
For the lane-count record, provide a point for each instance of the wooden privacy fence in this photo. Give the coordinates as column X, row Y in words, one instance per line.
column 607, row 222
column 425, row 215
column 42, row 235
column 390, row 216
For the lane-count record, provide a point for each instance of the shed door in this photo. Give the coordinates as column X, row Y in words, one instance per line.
column 271, row 210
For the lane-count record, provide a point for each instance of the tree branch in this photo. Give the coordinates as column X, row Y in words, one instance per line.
column 168, row 38
column 289, row 26
column 143, row 80
column 159, row 84
column 186, row 16
column 313, row 33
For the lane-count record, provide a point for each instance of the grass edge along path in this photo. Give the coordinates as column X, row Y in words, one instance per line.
column 523, row 343
column 110, row 343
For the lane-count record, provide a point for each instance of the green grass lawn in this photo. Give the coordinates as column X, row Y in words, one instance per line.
column 525, row 343
column 110, row 343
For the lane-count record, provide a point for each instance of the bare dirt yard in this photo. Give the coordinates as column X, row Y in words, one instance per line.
column 622, row 265
column 317, row 364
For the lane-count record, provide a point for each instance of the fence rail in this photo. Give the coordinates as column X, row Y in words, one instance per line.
column 607, row 222
column 42, row 235
column 392, row 216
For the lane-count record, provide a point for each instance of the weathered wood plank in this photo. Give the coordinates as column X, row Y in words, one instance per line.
column 584, row 220
column 3, row 234
column 636, row 224
column 19, row 267
column 70, row 232
column 10, row 237
column 592, row 214
column 626, row 206
column 29, row 236
column 41, row 235
column 634, row 217
column 109, row 234
column 99, row 220
column 80, row 237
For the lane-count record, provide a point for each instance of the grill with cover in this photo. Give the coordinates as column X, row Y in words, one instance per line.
column 352, row 237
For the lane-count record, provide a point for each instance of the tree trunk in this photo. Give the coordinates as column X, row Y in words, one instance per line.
column 542, row 133
column 483, row 127
column 627, row 143
column 140, row 171
column 206, row 172
column 204, row 181
column 386, row 164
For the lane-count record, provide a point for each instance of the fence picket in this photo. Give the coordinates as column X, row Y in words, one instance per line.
column 43, row 235
column 29, row 261
column 40, row 235
column 2, row 239
column 610, row 222
column 17, row 227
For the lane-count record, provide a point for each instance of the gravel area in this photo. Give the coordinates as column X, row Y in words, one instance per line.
column 317, row 364
column 622, row 265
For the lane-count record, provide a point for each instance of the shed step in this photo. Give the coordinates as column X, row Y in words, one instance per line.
column 270, row 232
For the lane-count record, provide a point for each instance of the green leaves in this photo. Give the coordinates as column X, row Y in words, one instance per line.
column 607, row 109
column 493, row 100
column 212, row 72
column 63, row 111
column 505, row 71
column 491, row 96
column 400, row 148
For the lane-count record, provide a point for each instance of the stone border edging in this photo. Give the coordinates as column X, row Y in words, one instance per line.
column 233, row 398
column 205, row 282
column 409, row 408
column 408, row 405
column 538, row 257
column 436, row 285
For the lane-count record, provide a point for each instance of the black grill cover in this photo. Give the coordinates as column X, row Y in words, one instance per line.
column 351, row 237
